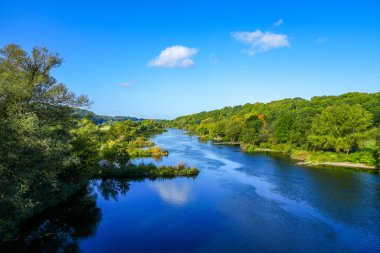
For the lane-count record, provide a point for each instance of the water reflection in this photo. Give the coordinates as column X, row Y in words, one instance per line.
column 112, row 188
column 173, row 192
column 60, row 228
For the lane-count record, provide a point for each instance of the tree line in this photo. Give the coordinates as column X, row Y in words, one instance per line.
column 344, row 127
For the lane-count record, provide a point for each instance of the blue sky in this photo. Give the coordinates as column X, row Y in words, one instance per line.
column 162, row 59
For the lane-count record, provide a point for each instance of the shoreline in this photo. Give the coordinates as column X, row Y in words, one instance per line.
column 230, row 143
column 315, row 164
column 304, row 163
column 340, row 164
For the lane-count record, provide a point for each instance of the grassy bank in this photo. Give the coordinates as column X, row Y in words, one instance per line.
column 363, row 159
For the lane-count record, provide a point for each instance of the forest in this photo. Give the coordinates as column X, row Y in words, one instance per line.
column 324, row 129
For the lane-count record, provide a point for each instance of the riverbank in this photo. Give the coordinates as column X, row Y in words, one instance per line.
column 340, row 164
column 313, row 158
column 231, row 143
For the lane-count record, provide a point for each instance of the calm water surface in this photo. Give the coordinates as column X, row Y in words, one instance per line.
column 239, row 203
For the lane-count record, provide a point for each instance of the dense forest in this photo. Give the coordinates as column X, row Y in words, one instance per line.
column 48, row 152
column 343, row 128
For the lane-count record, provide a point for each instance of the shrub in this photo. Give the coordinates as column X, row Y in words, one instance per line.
column 301, row 155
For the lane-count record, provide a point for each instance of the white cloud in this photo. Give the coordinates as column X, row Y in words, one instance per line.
column 126, row 85
column 175, row 56
column 322, row 40
column 261, row 41
column 278, row 22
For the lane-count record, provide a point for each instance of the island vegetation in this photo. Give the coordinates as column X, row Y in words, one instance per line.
column 50, row 148
column 333, row 130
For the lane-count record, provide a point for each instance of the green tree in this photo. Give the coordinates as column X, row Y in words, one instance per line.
column 37, row 168
column 217, row 129
column 234, row 128
column 283, row 128
column 250, row 130
column 340, row 127
column 85, row 142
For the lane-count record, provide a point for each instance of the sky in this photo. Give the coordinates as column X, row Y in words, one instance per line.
column 163, row 59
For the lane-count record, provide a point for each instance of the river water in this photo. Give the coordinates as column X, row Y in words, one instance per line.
column 239, row 203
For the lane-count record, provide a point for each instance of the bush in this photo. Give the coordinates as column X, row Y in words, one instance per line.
column 301, row 155
column 366, row 157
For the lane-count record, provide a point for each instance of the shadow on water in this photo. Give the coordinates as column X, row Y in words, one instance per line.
column 112, row 188
column 62, row 227
column 59, row 228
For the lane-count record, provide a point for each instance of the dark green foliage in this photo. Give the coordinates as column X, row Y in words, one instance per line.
column 283, row 127
column 37, row 168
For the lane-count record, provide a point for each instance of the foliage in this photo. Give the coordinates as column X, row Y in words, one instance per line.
column 146, row 171
column 37, row 168
column 348, row 124
column 365, row 157
column 340, row 128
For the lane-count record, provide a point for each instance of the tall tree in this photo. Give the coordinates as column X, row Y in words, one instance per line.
column 37, row 167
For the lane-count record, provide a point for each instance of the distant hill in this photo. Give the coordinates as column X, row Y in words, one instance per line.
column 100, row 119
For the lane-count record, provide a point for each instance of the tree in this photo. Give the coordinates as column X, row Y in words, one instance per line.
column 251, row 128
column 218, row 129
column 340, row 127
column 284, row 126
column 85, row 142
column 37, row 168
column 233, row 128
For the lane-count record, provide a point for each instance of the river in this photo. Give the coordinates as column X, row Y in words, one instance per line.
column 238, row 203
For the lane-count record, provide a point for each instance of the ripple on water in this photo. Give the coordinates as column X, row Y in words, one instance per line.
column 299, row 208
